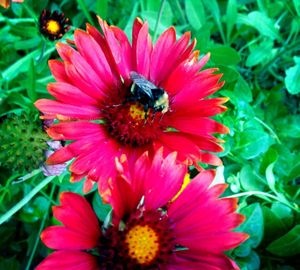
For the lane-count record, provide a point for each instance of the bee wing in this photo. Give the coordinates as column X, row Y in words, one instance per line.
column 141, row 81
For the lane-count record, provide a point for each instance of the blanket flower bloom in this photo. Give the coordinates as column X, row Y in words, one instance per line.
column 114, row 97
column 149, row 229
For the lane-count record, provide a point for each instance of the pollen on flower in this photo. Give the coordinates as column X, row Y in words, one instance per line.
column 53, row 27
column 143, row 244
column 131, row 125
column 137, row 112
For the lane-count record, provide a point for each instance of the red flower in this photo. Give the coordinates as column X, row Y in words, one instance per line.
column 149, row 229
column 113, row 97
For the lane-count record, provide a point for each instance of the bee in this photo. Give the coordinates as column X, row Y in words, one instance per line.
column 148, row 94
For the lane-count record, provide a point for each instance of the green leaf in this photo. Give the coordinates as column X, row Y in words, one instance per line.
column 31, row 82
column 263, row 24
column 297, row 6
column 292, row 79
column 250, row 262
column 269, row 157
column 254, row 224
column 274, row 227
column 101, row 209
column 242, row 90
column 231, row 16
column 9, row 264
column 213, row 7
column 252, row 142
column 224, row 55
column 260, row 54
column 287, row 245
column 230, row 74
column 249, row 180
column 101, row 8
column 284, row 213
column 85, row 11
column 270, row 177
column 195, row 13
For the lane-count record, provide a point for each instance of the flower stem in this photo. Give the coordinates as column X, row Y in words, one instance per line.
column 40, row 230
column 25, row 200
column 264, row 194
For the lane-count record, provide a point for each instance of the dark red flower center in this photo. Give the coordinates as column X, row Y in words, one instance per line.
column 145, row 243
column 130, row 124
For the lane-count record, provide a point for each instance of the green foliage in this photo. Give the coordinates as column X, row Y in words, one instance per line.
column 254, row 43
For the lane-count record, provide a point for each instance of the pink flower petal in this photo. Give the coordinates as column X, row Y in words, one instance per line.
column 83, row 83
column 70, row 94
column 69, row 260
column 58, row 70
column 76, row 130
column 93, row 54
column 142, row 51
column 77, row 215
column 161, row 52
column 205, row 261
column 58, row 237
column 64, row 111
column 161, row 182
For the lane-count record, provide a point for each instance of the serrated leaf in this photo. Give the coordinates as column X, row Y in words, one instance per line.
column 195, row 13
column 287, row 245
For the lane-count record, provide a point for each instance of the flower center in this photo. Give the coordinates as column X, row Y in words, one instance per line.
column 137, row 113
column 143, row 244
column 146, row 242
column 53, row 26
column 131, row 125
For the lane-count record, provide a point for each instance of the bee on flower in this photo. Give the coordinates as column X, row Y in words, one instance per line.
column 114, row 97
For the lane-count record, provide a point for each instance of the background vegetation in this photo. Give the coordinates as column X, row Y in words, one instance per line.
column 255, row 43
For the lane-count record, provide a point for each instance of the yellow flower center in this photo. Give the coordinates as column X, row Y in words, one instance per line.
column 143, row 244
column 53, row 26
column 137, row 112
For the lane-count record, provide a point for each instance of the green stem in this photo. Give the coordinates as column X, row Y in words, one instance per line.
column 30, row 11
column 15, row 21
column 263, row 194
column 27, row 176
column 180, row 11
column 85, row 11
column 40, row 230
column 26, row 199
column 268, row 128
column 162, row 4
